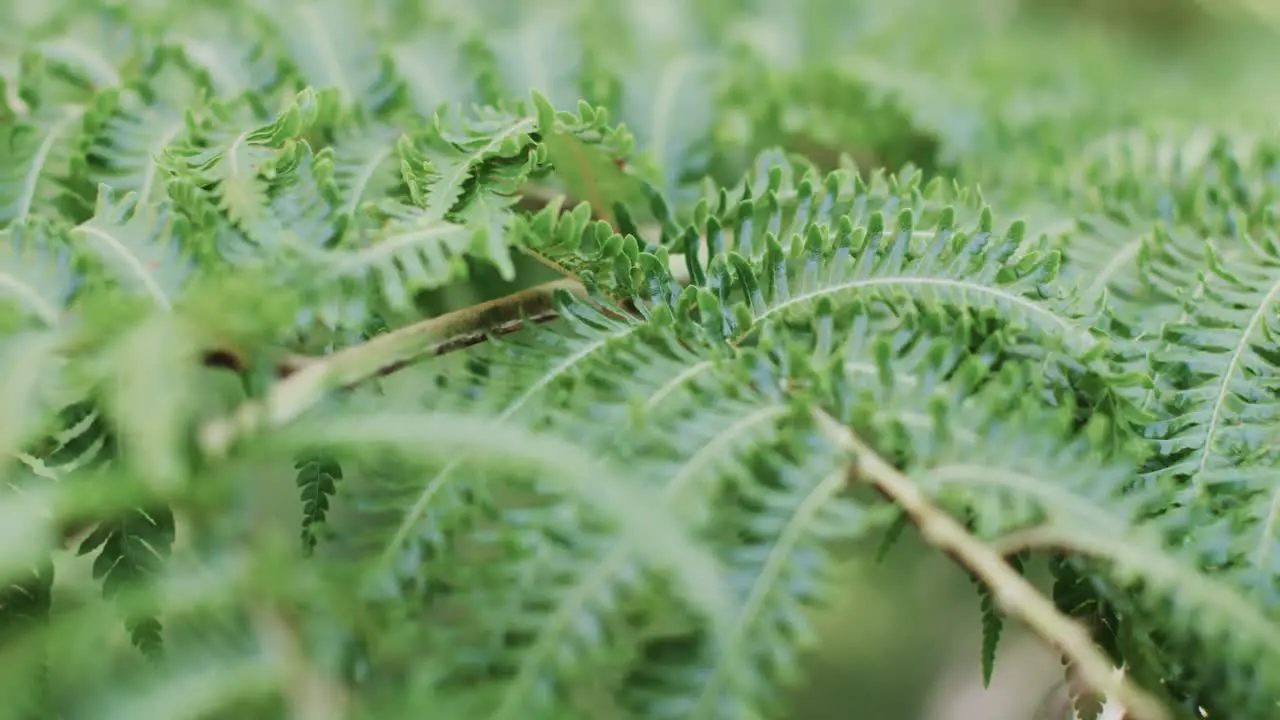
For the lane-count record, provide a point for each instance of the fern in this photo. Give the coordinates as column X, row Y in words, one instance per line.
column 732, row 293
column 131, row 548
column 317, row 479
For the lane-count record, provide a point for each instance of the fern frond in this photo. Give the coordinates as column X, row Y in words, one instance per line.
column 960, row 269
column 1024, row 494
column 708, row 455
column 366, row 166
column 713, row 301
column 131, row 548
column 992, row 622
column 132, row 143
column 230, row 160
column 669, row 99
column 415, row 250
column 1215, row 439
column 36, row 272
column 31, row 381
column 662, row 542
column 788, row 523
column 81, row 439
column 140, row 251
column 317, row 479
column 565, row 358
column 1147, row 198
column 99, row 50
column 39, row 155
column 466, row 146
column 1074, row 593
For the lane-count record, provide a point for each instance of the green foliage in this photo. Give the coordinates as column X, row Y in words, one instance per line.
column 625, row 493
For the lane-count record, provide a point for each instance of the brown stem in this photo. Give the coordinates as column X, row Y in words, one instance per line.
column 303, row 380
column 461, row 328
column 1018, row 597
column 465, row 327
column 307, row 380
column 384, row 354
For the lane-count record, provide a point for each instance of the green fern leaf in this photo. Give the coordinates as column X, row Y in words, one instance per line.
column 235, row 161
column 1074, row 594
column 1211, row 427
column 36, row 273
column 26, row 603
column 588, row 173
column 778, row 319
column 693, row 570
column 82, row 439
column 953, row 267
column 132, row 144
column 449, row 168
column 31, row 380
column 139, row 249
column 366, row 166
column 317, row 478
column 414, row 251
column 992, row 623
column 133, row 548
column 36, row 160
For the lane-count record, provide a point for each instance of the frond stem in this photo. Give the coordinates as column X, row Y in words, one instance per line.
column 1012, row 591
column 310, row 695
column 307, row 380
column 303, row 380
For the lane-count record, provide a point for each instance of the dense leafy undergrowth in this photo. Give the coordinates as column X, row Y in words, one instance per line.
column 786, row 317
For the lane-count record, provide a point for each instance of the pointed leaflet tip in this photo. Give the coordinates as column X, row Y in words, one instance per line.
column 906, row 221
column 947, row 220
column 1018, row 230
column 875, row 224
column 545, row 111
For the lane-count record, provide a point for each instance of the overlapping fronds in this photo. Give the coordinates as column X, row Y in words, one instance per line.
column 729, row 290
